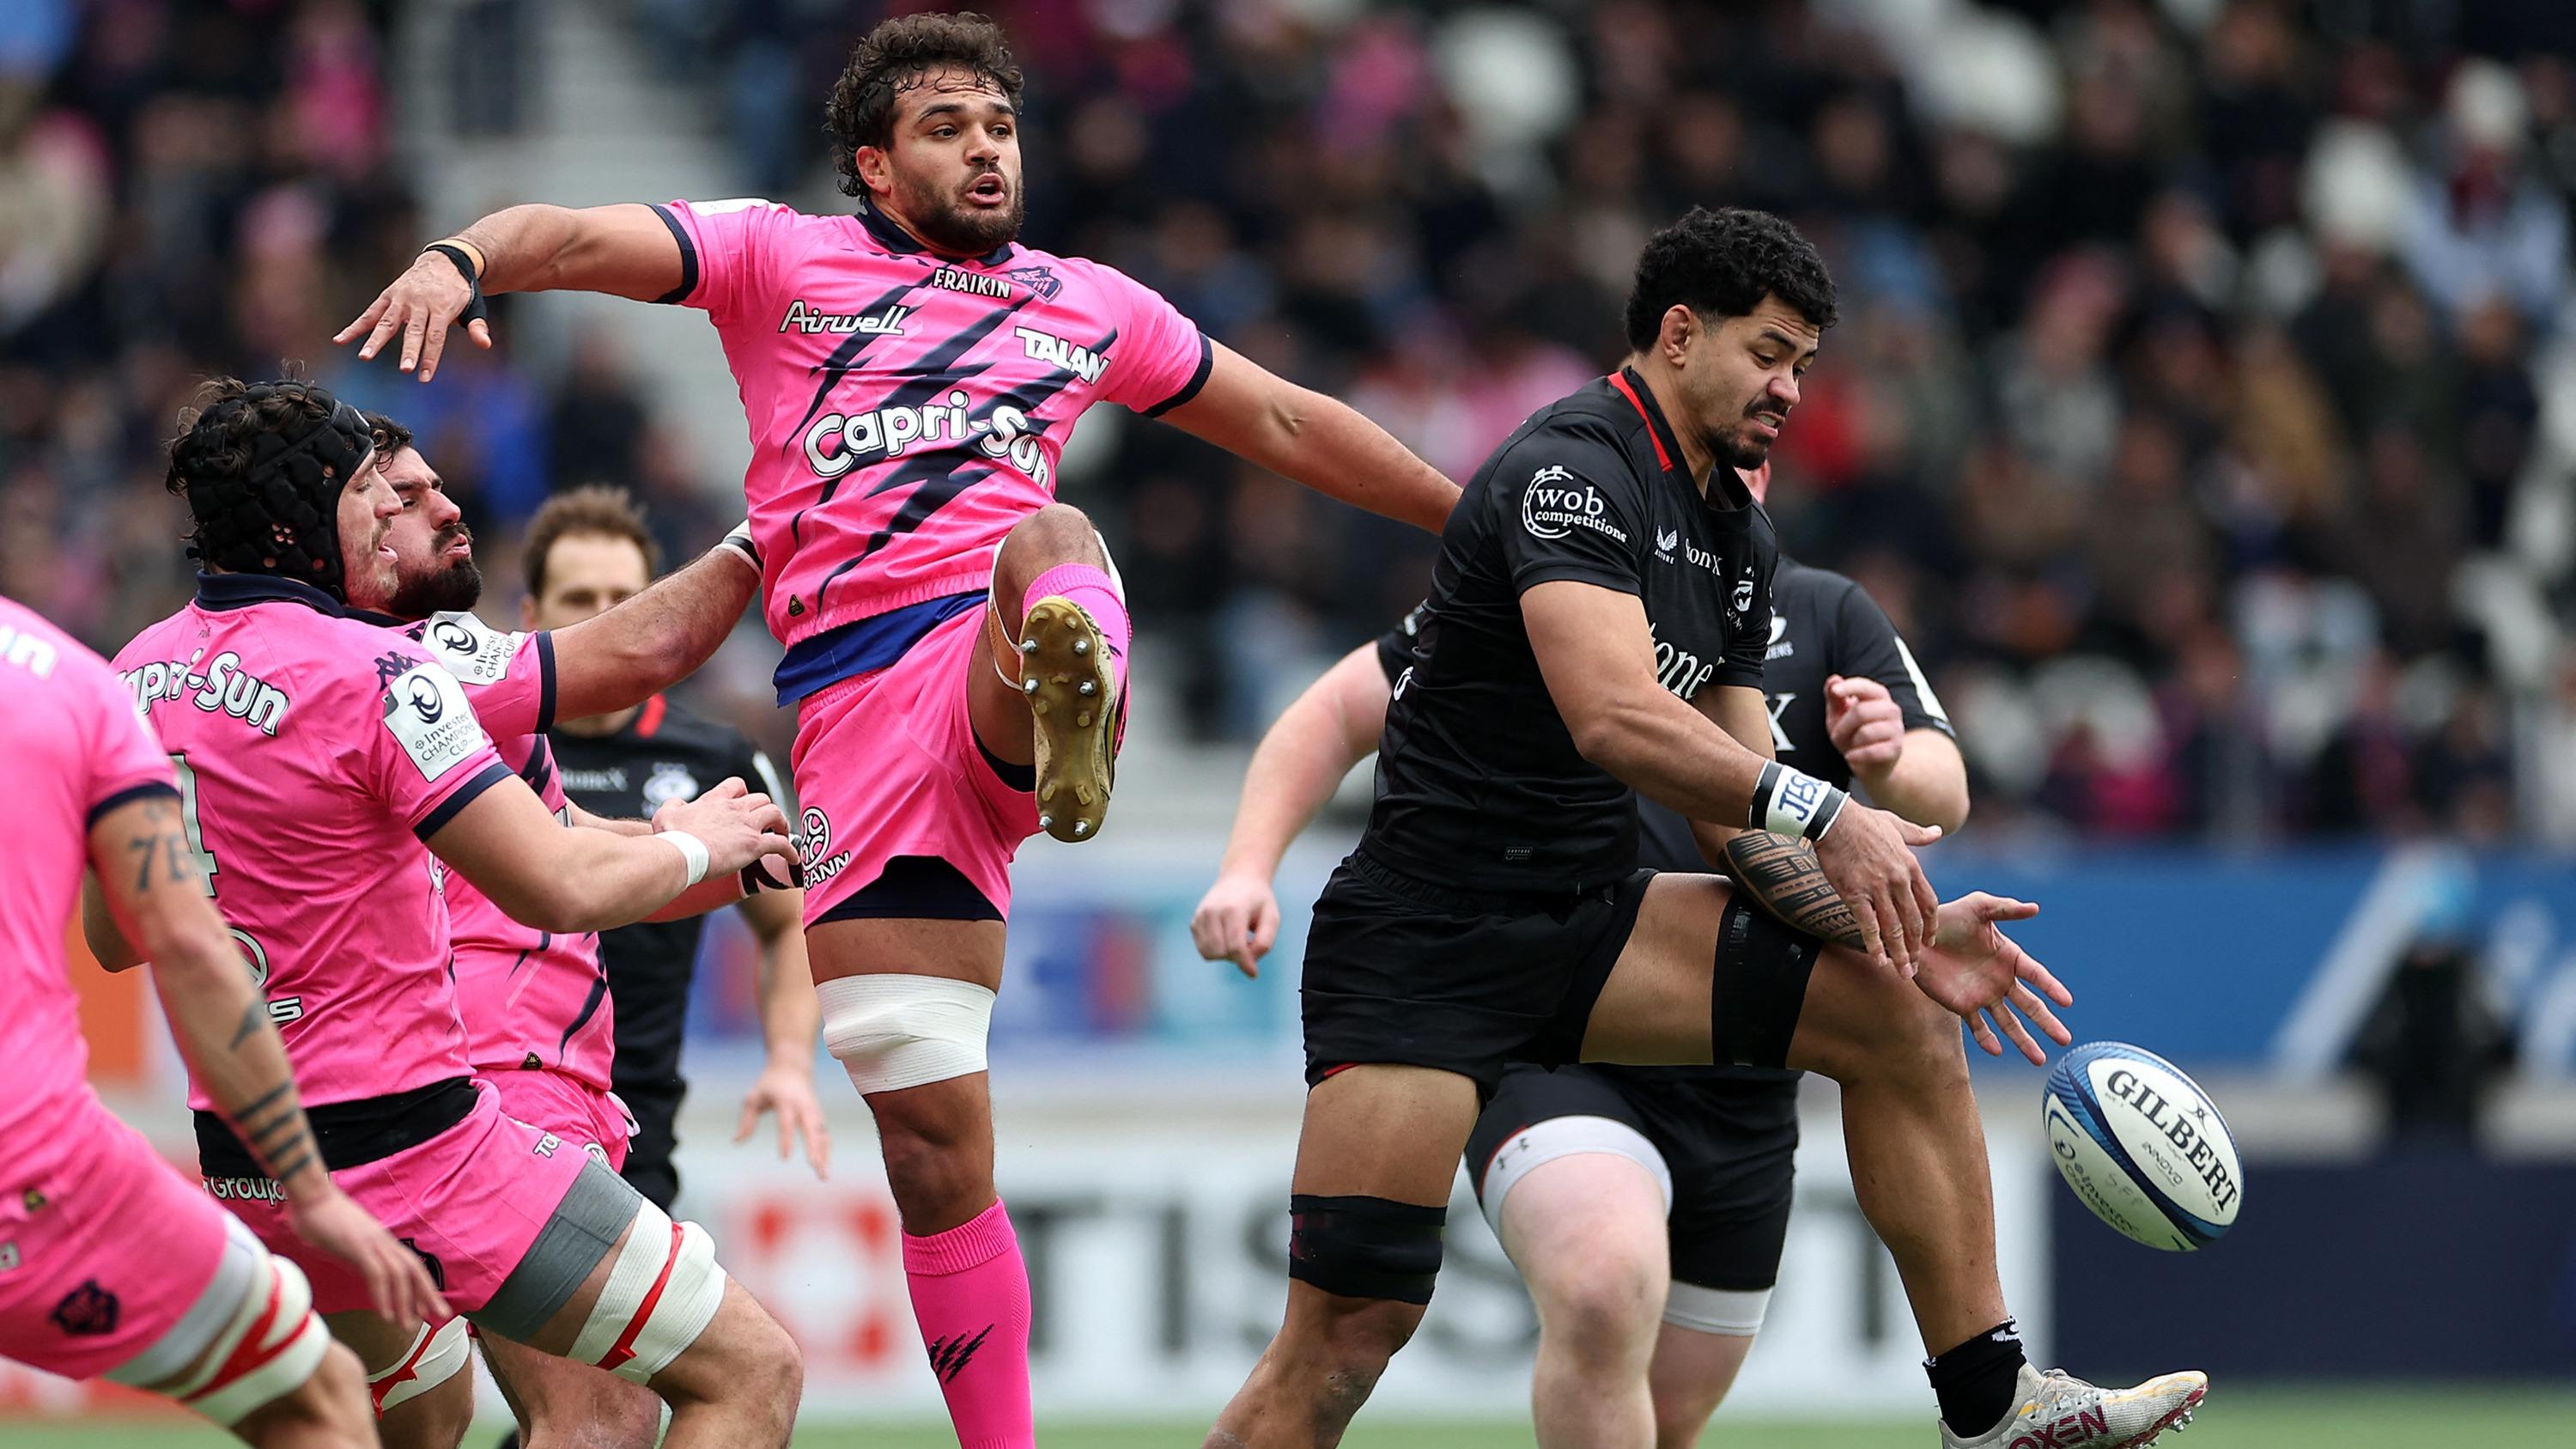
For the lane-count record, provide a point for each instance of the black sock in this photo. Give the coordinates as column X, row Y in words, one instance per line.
column 1975, row 1381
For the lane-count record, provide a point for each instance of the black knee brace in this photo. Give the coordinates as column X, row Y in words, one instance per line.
column 1365, row 1247
column 1761, row 986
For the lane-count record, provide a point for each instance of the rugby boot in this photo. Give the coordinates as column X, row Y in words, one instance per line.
column 1081, row 709
column 2056, row 1410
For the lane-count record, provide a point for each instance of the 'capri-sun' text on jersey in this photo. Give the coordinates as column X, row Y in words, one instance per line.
column 907, row 409
column 77, row 752
column 316, row 752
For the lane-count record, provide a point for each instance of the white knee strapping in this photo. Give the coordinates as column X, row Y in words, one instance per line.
column 266, row 1348
column 893, row 1032
column 662, row 1291
column 435, row 1356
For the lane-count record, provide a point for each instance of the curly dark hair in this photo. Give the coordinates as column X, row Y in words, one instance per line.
column 1722, row 264
column 892, row 59
column 391, row 437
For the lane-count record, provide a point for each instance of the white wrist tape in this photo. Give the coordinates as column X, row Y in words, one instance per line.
column 1793, row 803
column 740, row 541
column 692, row 850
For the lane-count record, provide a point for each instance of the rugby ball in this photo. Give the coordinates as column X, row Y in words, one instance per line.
column 2142, row 1145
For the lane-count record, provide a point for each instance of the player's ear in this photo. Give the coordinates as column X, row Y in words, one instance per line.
column 527, row 612
column 1681, row 328
column 876, row 169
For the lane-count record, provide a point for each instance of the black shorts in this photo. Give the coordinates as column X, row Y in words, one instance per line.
column 648, row 1169
column 1728, row 1139
column 1400, row 970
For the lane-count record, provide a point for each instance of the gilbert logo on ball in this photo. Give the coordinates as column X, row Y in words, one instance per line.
column 2142, row 1146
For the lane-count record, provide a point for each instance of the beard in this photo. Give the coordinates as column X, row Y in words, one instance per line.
column 1741, row 447
column 451, row 589
column 951, row 226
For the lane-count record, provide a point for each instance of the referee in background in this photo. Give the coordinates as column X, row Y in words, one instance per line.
column 587, row 550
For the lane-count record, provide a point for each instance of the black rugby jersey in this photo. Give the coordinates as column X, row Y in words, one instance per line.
column 1822, row 624
column 1479, row 785
column 664, row 753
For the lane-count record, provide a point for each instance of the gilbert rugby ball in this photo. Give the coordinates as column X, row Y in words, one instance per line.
column 2142, row 1146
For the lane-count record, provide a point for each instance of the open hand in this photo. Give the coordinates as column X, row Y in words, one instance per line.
column 788, row 1090
column 737, row 825
column 1868, row 858
column 421, row 304
column 398, row 1283
column 1976, row 971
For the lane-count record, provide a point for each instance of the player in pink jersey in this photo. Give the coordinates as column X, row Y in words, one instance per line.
column 956, row 638
column 317, row 754
column 111, row 1264
column 539, row 1019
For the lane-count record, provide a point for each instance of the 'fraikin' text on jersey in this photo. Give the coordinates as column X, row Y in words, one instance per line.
column 907, row 409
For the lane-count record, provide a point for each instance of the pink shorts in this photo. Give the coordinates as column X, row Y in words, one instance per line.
column 103, row 1254
column 887, row 764
column 470, row 1201
column 572, row 1109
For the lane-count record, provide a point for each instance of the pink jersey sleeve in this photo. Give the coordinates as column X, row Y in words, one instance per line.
column 509, row 677
column 1162, row 359
column 429, row 757
column 728, row 253
column 124, row 759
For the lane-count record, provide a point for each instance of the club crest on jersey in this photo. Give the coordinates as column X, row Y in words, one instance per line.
column 886, row 321
column 1556, row 503
column 1073, row 357
column 1781, row 646
column 223, row 686
column 1041, row 281
column 668, row 783
column 1742, row 603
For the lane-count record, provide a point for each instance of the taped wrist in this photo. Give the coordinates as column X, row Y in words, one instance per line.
column 1365, row 1247
column 474, row 311
column 1793, row 803
column 693, row 852
column 1759, row 988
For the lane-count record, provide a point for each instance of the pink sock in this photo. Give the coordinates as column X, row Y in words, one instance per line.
column 970, row 1292
column 1098, row 596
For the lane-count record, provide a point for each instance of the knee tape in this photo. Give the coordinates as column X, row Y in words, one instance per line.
column 436, row 1355
column 1760, row 987
column 1365, row 1247
column 267, row 1347
column 891, row 1032
column 662, row 1292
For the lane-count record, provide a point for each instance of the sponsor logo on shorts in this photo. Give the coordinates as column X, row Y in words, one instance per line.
column 1556, row 503
column 548, row 1144
column 222, row 687
column 87, row 1311
column 819, row 866
column 244, row 1189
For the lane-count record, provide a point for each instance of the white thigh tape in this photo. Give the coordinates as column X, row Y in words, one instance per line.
column 436, row 1355
column 1550, row 1138
column 661, row 1292
column 893, row 1032
column 273, row 1345
column 211, row 1327
column 1732, row 1311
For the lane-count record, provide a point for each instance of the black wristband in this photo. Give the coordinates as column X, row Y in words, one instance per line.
column 474, row 311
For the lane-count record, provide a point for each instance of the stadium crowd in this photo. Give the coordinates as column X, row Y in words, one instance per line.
column 2202, row 409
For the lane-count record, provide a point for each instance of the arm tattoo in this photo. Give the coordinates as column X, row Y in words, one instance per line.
column 253, row 1016
column 171, row 848
column 1782, row 877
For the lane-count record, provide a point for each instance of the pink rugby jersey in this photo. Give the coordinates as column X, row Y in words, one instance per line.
column 906, row 410
column 529, row 998
column 315, row 752
column 77, row 752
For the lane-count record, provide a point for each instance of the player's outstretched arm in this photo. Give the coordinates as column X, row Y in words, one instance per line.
column 624, row 656
column 1309, row 438
column 554, row 877
column 148, row 884
column 1334, row 725
column 791, row 1023
column 622, row 250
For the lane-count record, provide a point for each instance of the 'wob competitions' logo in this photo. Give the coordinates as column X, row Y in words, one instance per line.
column 1556, row 503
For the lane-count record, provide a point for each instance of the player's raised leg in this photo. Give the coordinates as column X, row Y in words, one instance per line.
column 1910, row 1124
column 1050, row 669
column 1587, row 1232
column 1370, row 1197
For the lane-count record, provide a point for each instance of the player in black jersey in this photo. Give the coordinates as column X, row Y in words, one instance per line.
column 1597, row 622
column 587, row 550
column 1637, row 1192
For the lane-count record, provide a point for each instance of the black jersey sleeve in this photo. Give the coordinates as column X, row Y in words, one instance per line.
column 1395, row 646
column 1866, row 644
column 1748, row 629
column 1577, row 512
column 752, row 763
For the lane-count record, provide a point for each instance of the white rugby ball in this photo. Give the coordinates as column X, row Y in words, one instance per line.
column 2142, row 1145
